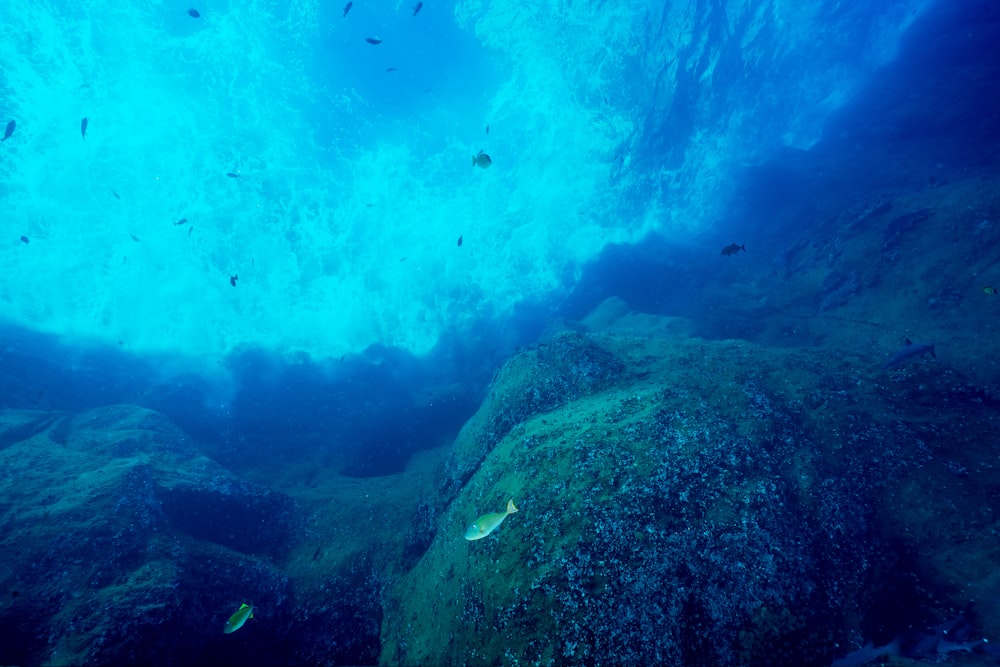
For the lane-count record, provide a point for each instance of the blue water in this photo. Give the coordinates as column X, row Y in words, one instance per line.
column 319, row 291
column 614, row 128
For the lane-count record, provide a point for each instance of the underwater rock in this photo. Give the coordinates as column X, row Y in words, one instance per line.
column 705, row 503
column 126, row 545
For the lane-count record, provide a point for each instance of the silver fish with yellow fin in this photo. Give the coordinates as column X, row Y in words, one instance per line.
column 237, row 620
column 487, row 523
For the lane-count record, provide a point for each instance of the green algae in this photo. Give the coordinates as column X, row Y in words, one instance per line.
column 812, row 434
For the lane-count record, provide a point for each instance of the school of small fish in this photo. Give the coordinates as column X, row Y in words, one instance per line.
column 481, row 159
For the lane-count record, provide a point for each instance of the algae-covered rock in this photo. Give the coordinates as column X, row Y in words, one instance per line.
column 121, row 544
column 697, row 503
column 542, row 378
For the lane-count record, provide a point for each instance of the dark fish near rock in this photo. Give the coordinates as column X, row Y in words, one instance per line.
column 134, row 237
column 909, row 352
column 25, row 239
column 374, row 40
column 733, row 248
column 481, row 159
column 193, row 13
column 867, row 653
column 232, row 279
column 459, row 241
column 417, row 7
column 83, row 128
column 347, row 8
column 9, row 131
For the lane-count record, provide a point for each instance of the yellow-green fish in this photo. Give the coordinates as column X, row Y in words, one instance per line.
column 487, row 523
column 992, row 291
column 237, row 620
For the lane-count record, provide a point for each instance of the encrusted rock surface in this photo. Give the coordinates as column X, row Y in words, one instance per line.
column 702, row 503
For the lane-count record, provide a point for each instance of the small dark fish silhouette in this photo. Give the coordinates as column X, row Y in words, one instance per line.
column 83, row 128
column 487, row 129
column 134, row 237
column 14, row 594
column 232, row 175
column 317, row 553
column 374, row 40
column 182, row 221
column 190, row 229
column 481, row 159
column 116, row 195
column 910, row 351
column 390, row 69
column 347, row 8
column 25, row 239
column 9, row 131
column 733, row 248
column 193, row 13
column 459, row 241
column 417, row 7
column 232, row 279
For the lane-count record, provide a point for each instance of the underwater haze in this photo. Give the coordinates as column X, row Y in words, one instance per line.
column 353, row 184
column 297, row 296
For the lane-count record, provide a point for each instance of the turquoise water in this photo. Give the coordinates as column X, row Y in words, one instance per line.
column 607, row 122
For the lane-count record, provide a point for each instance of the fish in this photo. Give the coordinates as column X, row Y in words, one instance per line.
column 867, row 653
column 83, row 128
column 487, row 129
column 417, row 7
column 237, row 620
column 182, row 221
column 134, row 237
column 989, row 289
column 347, row 8
column 374, row 40
column 117, row 196
column 910, row 351
column 233, row 278
column 733, row 248
column 9, row 131
column 390, row 69
column 190, row 229
column 194, row 13
column 487, row 523
column 481, row 159
column 25, row 239
column 459, row 241
column 232, row 175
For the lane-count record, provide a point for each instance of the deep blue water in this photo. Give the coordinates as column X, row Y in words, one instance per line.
column 716, row 132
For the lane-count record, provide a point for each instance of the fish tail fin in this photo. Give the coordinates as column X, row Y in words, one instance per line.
column 743, row 247
column 473, row 160
column 510, row 506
